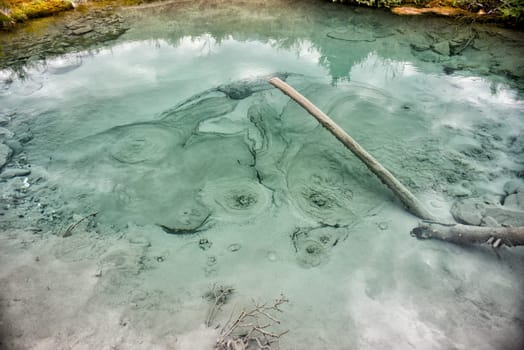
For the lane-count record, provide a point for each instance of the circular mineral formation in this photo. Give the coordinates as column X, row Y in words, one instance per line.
column 236, row 198
column 138, row 143
column 319, row 186
column 311, row 253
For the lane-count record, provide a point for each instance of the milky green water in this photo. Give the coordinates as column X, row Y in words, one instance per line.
column 173, row 131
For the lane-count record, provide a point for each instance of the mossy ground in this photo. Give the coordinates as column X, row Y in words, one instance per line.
column 20, row 10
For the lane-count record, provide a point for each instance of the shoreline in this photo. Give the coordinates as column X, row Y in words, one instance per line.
column 13, row 21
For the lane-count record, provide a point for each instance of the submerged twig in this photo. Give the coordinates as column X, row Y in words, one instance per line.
column 219, row 296
column 185, row 231
column 69, row 231
column 253, row 329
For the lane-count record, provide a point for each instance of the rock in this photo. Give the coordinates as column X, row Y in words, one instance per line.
column 460, row 191
column 234, row 247
column 6, row 134
column 237, row 91
column 467, row 212
column 442, row 48
column 515, row 201
column 83, row 30
column 15, row 145
column 419, row 43
column 5, row 154
column 489, row 221
column 4, row 120
column 25, row 137
column 428, row 56
column 506, row 217
column 383, row 225
column 513, row 186
column 204, row 244
column 10, row 173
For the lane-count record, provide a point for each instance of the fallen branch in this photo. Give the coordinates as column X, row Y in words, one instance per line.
column 464, row 234
column 402, row 193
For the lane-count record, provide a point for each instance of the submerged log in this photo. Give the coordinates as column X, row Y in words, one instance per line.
column 402, row 193
column 455, row 233
column 464, row 234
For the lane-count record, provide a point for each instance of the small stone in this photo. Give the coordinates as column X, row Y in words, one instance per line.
column 460, row 191
column 512, row 186
column 428, row 56
column 234, row 247
column 489, row 221
column 383, row 225
column 204, row 244
column 4, row 120
column 468, row 212
column 25, row 137
column 10, row 173
column 435, row 204
column 15, row 145
column 419, row 43
column 442, row 48
column 98, row 273
column 272, row 256
column 506, row 217
column 211, row 260
column 5, row 154
column 515, row 200
column 6, row 133
column 83, row 30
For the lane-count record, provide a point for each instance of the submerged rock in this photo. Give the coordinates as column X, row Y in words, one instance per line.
column 5, row 154
column 476, row 211
column 5, row 134
column 10, row 173
column 468, row 212
column 236, row 91
column 515, row 200
column 442, row 48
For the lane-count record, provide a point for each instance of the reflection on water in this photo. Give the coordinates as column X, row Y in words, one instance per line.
column 173, row 132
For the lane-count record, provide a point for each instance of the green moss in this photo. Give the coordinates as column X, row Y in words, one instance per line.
column 21, row 10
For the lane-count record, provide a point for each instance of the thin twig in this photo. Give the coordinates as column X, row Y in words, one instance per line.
column 69, row 231
column 258, row 336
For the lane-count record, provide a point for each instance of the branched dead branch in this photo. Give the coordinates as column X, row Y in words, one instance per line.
column 218, row 295
column 253, row 329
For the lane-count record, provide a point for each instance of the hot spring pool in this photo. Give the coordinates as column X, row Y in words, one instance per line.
column 203, row 176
